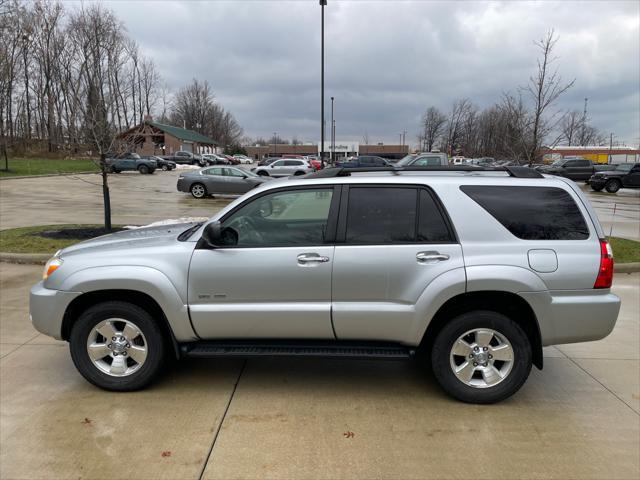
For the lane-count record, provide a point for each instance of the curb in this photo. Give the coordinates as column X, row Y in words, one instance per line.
column 25, row 258
column 41, row 259
column 21, row 177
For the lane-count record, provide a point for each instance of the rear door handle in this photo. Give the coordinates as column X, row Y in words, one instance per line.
column 305, row 258
column 431, row 257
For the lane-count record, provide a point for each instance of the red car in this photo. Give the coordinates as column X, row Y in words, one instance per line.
column 232, row 160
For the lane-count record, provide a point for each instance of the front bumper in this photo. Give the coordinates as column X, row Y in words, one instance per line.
column 47, row 308
column 570, row 316
column 597, row 181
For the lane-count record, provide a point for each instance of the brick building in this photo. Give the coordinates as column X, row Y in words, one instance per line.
column 153, row 138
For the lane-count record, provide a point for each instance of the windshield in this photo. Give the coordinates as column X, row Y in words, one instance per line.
column 625, row 167
column 557, row 163
column 406, row 160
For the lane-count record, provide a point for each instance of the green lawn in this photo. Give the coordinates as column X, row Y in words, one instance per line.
column 42, row 166
column 625, row 251
column 26, row 240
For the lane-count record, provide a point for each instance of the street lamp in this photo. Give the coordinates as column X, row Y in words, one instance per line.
column 275, row 143
column 333, row 134
column 322, row 4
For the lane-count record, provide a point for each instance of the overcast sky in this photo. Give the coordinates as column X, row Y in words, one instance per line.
column 387, row 61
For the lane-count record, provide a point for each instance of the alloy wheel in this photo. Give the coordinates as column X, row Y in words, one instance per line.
column 117, row 347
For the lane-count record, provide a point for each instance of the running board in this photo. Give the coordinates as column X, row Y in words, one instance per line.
column 325, row 350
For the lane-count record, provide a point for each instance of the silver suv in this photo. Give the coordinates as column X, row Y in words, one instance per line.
column 477, row 270
column 284, row 167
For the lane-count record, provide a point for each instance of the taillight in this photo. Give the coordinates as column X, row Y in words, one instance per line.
column 605, row 272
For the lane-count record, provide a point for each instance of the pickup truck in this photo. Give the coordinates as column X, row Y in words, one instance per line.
column 132, row 162
column 364, row 161
column 574, row 168
column 430, row 159
column 625, row 175
column 186, row 158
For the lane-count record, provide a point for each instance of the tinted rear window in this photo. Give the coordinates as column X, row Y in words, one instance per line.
column 532, row 213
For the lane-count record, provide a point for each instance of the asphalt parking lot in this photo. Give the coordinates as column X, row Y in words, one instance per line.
column 141, row 199
column 293, row 418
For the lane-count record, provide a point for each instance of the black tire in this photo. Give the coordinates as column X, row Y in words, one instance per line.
column 481, row 319
column 262, row 173
column 165, row 168
column 143, row 169
column 198, row 190
column 116, row 171
column 596, row 189
column 613, row 185
column 153, row 336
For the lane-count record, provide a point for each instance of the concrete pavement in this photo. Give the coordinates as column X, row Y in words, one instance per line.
column 293, row 418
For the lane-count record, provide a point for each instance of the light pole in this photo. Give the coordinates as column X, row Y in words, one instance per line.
column 322, row 4
column 275, row 143
column 333, row 133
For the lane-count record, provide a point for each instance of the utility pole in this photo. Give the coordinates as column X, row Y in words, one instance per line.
column 275, row 143
column 610, row 145
column 584, row 121
column 322, row 4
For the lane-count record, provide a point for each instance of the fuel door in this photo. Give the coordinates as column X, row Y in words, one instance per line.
column 543, row 260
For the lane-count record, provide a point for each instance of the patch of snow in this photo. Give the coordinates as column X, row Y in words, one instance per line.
column 187, row 167
column 172, row 221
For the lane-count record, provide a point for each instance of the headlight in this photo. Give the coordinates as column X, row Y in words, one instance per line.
column 51, row 266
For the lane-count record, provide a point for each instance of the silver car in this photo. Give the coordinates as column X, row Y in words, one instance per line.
column 212, row 180
column 477, row 269
column 284, row 168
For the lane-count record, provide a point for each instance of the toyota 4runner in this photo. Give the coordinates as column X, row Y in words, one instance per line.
column 478, row 270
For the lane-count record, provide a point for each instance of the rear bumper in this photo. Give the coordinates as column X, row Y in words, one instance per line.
column 47, row 308
column 182, row 185
column 570, row 316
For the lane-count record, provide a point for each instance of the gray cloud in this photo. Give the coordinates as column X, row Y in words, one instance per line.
column 387, row 61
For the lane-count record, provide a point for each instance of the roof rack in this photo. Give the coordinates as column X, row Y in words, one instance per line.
column 516, row 172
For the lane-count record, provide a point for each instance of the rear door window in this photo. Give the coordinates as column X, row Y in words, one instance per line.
column 394, row 215
column 532, row 213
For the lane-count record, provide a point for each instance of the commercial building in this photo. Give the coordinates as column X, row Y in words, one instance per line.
column 599, row 154
column 342, row 149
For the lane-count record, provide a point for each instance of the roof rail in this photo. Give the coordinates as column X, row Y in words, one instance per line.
column 516, row 172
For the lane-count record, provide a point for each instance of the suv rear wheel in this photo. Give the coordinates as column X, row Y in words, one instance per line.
column 143, row 169
column 481, row 357
column 117, row 346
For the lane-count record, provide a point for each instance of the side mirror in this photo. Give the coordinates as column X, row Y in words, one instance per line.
column 212, row 234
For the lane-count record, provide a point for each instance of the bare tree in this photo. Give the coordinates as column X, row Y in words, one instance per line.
column 543, row 90
column 433, row 122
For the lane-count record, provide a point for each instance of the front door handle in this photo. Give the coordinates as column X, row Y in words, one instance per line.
column 305, row 258
column 431, row 257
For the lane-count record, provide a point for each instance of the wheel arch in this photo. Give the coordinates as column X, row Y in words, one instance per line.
column 507, row 303
column 140, row 299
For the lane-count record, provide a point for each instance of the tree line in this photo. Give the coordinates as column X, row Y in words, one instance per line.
column 70, row 80
column 518, row 125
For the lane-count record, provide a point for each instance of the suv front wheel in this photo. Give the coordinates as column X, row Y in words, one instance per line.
column 481, row 357
column 117, row 346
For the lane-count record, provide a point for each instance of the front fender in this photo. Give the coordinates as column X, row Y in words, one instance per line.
column 138, row 279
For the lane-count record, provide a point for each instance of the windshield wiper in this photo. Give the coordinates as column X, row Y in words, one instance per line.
column 188, row 232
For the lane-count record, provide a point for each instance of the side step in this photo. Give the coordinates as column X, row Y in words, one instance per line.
column 326, row 350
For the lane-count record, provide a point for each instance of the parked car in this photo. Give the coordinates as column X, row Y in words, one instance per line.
column 575, row 168
column 479, row 270
column 211, row 180
column 130, row 162
column 215, row 159
column 243, row 159
column 284, row 167
column 432, row 159
column 165, row 165
column 267, row 161
column 186, row 158
column 624, row 175
column 232, row 160
column 364, row 161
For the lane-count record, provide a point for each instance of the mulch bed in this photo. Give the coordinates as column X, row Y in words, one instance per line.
column 76, row 233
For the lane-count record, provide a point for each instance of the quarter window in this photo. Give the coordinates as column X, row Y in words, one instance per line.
column 532, row 213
